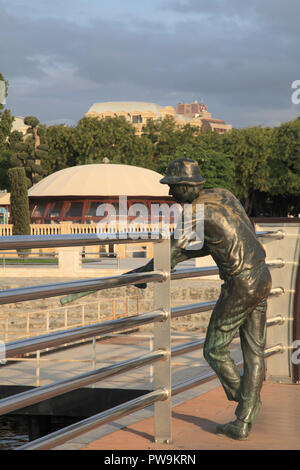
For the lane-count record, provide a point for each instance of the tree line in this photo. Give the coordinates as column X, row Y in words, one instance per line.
column 260, row 165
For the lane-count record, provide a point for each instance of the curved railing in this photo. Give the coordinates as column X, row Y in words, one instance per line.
column 161, row 318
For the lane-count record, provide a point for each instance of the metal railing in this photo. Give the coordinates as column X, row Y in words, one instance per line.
column 161, row 318
column 30, row 323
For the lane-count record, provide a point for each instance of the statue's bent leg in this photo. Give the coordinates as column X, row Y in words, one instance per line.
column 217, row 354
column 252, row 334
column 253, row 338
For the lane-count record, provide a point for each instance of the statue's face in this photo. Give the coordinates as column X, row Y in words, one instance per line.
column 184, row 192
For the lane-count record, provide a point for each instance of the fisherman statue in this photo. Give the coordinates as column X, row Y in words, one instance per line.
column 230, row 239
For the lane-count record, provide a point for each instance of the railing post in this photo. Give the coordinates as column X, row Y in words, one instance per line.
column 162, row 340
column 69, row 261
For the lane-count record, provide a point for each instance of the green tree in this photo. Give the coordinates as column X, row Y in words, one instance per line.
column 31, row 151
column 251, row 150
column 284, row 165
column 166, row 135
column 6, row 121
column 58, row 139
column 19, row 201
column 216, row 167
column 114, row 138
column 33, row 123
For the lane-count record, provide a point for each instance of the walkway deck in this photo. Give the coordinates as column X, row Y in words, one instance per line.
column 194, row 423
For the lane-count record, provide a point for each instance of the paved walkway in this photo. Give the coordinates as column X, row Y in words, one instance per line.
column 194, row 423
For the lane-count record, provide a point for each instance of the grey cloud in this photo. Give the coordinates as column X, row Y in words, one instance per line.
column 267, row 11
column 58, row 68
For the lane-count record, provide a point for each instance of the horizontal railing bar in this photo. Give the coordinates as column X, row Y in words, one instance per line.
column 195, row 381
column 192, row 308
column 275, row 263
column 37, row 343
column 30, row 397
column 59, row 437
column 210, row 375
column 49, row 241
column 277, row 234
column 194, row 272
column 187, row 347
column 278, row 320
column 63, row 288
column 21, row 294
column 276, row 292
column 278, row 348
column 214, row 270
column 194, row 345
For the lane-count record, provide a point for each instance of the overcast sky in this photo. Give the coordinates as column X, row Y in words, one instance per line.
column 239, row 58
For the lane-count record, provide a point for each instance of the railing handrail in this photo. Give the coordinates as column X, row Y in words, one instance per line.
column 38, row 343
column 21, row 294
column 49, row 241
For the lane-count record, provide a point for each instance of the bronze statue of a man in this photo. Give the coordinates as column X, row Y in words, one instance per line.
column 230, row 239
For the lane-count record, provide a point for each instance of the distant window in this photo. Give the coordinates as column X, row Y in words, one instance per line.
column 74, row 209
column 137, row 119
column 54, row 209
column 104, row 211
column 92, row 208
column 38, row 209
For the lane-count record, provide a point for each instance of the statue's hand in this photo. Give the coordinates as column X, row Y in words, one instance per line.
column 71, row 297
column 146, row 268
column 177, row 251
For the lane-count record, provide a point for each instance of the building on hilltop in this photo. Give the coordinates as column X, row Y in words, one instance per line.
column 138, row 113
column 197, row 115
column 19, row 125
column 193, row 110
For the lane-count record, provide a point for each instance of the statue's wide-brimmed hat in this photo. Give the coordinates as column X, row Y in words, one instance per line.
column 183, row 171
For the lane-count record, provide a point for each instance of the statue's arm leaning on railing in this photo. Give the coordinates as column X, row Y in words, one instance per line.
column 179, row 253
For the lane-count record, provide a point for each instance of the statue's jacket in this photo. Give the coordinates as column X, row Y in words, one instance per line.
column 229, row 237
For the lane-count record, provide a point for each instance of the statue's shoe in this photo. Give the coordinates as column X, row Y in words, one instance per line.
column 235, row 430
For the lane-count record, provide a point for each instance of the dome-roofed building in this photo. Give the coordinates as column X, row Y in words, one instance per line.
column 75, row 193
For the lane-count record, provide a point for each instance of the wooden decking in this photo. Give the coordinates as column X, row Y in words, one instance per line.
column 194, row 424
